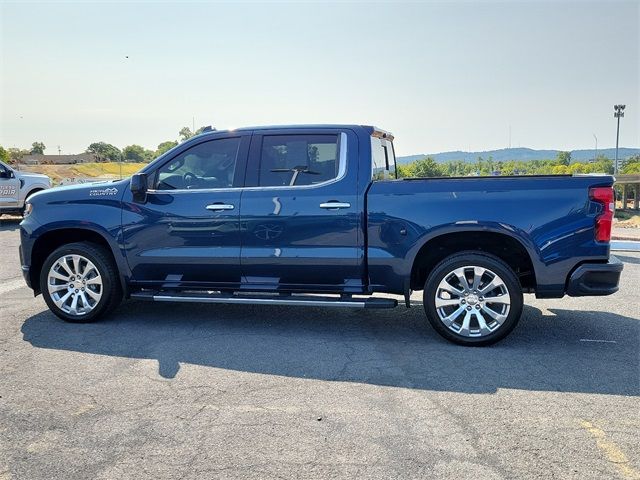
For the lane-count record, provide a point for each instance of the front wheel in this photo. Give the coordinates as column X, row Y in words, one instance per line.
column 79, row 282
column 473, row 298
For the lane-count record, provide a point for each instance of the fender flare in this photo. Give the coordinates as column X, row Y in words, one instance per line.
column 112, row 243
column 514, row 233
column 34, row 189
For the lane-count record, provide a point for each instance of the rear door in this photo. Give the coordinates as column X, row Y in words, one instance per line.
column 300, row 215
column 9, row 187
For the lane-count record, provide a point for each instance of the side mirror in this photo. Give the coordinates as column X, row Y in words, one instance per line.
column 6, row 173
column 139, row 186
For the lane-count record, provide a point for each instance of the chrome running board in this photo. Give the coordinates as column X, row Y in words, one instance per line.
column 261, row 299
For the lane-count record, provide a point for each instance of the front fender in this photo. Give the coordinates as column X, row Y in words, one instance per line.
column 32, row 232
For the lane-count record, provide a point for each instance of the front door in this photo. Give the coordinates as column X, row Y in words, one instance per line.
column 9, row 188
column 300, row 214
column 187, row 232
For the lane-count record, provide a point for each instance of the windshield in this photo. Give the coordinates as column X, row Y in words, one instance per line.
column 383, row 159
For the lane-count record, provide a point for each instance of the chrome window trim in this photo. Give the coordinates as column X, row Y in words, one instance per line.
column 342, row 172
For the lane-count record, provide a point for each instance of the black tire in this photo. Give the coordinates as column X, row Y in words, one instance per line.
column 105, row 265
column 468, row 259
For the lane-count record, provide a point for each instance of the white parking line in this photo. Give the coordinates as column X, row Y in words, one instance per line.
column 597, row 341
column 12, row 285
column 625, row 246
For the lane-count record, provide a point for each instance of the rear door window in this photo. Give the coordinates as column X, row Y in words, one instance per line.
column 292, row 160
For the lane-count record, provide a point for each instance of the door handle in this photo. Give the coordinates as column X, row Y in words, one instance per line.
column 336, row 205
column 219, row 206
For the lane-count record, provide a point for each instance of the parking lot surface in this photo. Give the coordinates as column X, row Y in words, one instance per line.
column 213, row 391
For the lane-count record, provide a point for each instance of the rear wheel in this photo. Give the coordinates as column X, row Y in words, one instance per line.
column 473, row 298
column 79, row 282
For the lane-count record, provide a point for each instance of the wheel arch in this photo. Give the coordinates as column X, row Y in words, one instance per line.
column 50, row 240
column 34, row 190
column 496, row 241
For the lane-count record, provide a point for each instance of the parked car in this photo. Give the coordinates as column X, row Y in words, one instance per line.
column 314, row 215
column 16, row 187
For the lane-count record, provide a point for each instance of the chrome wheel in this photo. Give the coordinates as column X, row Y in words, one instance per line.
column 472, row 301
column 75, row 284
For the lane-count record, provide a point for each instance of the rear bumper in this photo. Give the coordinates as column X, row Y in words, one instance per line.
column 595, row 278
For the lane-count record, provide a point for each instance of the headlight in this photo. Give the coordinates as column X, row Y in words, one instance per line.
column 28, row 208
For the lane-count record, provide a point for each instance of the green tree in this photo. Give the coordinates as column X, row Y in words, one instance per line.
column 201, row 130
column 631, row 165
column 185, row 134
column 4, row 155
column 105, row 152
column 37, row 148
column 165, row 147
column 16, row 154
column 404, row 171
column 426, row 167
column 563, row 158
column 136, row 153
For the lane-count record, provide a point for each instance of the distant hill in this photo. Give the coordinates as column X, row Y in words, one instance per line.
column 522, row 154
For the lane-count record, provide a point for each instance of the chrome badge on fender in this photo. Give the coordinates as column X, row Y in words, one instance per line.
column 103, row 191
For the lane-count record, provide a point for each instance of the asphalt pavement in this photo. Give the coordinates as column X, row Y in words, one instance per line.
column 212, row 391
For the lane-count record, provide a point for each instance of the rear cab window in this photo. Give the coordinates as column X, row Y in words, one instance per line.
column 383, row 156
column 298, row 159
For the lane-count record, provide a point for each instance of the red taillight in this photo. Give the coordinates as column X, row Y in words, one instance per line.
column 604, row 196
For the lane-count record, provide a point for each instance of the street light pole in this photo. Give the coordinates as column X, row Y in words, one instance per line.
column 618, row 112
column 595, row 156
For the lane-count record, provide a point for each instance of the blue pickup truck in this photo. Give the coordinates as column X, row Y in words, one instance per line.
column 314, row 215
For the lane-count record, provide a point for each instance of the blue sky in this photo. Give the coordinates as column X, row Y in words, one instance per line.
column 441, row 76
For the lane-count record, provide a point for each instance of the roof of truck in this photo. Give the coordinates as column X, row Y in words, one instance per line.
column 334, row 126
column 371, row 129
column 306, row 125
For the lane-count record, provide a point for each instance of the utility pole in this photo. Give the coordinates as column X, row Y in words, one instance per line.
column 595, row 156
column 121, row 157
column 618, row 112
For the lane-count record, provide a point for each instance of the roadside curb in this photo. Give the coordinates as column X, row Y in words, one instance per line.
column 625, row 239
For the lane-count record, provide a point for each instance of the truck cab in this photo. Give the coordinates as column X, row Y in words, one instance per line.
column 270, row 209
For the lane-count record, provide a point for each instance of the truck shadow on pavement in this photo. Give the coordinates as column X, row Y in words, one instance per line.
column 8, row 224
column 627, row 259
column 546, row 352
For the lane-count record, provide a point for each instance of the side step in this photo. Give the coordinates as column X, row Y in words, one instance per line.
column 261, row 299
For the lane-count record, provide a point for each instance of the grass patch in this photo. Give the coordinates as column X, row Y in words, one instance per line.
column 58, row 173
column 627, row 220
column 107, row 169
column 622, row 215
